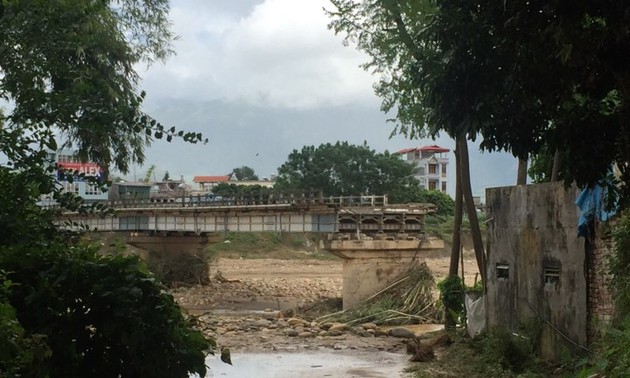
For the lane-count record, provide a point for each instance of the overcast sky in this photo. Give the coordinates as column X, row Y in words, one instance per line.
column 261, row 78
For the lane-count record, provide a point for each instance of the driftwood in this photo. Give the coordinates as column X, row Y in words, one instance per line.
column 425, row 351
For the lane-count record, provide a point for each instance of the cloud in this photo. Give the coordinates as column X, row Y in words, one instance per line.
column 277, row 53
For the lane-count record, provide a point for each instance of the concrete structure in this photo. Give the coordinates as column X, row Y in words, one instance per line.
column 207, row 183
column 377, row 241
column 129, row 190
column 174, row 258
column 536, row 264
column 431, row 164
column 372, row 265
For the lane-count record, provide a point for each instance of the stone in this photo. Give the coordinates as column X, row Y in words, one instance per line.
column 261, row 323
column 339, row 347
column 282, row 323
column 305, row 334
column 325, row 326
column 380, row 332
column 401, row 332
column 337, row 327
column 367, row 326
column 295, row 321
column 291, row 333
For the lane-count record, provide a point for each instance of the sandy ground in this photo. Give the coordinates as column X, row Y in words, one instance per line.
column 242, row 306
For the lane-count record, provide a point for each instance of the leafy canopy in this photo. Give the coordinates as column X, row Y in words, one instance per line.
column 343, row 169
column 245, row 173
column 67, row 74
column 523, row 75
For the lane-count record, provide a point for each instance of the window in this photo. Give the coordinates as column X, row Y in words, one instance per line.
column 92, row 190
column 71, row 187
column 443, row 170
column 432, row 169
column 432, row 185
column 503, row 271
column 444, row 186
column 552, row 275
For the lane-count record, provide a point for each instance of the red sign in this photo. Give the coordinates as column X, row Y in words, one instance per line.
column 86, row 169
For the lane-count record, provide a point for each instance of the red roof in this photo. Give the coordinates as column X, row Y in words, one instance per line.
column 211, row 179
column 433, row 148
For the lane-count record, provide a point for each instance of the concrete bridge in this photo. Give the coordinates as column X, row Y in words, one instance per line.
column 370, row 235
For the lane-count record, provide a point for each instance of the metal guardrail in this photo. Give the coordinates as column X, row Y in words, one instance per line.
column 205, row 201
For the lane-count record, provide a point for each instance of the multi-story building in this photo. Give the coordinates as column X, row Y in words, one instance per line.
column 430, row 165
column 68, row 162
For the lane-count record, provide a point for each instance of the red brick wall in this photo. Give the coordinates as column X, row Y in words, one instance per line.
column 600, row 301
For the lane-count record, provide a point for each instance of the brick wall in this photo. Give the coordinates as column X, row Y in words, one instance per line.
column 600, row 302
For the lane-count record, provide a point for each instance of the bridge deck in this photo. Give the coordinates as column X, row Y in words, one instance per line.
column 366, row 216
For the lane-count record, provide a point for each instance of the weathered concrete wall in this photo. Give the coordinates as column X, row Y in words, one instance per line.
column 372, row 265
column 174, row 258
column 536, row 263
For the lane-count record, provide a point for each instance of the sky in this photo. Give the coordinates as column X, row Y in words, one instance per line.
column 262, row 78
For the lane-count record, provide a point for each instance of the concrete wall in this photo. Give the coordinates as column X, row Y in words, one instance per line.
column 536, row 263
column 372, row 265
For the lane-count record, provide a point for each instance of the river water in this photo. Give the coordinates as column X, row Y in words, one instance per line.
column 307, row 364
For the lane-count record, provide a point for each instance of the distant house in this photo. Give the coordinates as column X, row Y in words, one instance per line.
column 129, row 190
column 207, row 183
column 431, row 165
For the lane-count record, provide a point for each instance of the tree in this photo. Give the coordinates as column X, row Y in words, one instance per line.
column 415, row 194
column 343, row 169
column 67, row 68
column 405, row 49
column 523, row 75
column 245, row 173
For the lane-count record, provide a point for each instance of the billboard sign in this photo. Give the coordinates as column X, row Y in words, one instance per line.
column 76, row 169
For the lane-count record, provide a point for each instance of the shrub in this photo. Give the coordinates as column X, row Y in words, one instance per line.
column 101, row 316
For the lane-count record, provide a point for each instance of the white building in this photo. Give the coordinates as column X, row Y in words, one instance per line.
column 68, row 162
column 430, row 165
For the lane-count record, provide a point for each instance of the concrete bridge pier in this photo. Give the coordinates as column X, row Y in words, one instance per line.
column 371, row 265
column 174, row 257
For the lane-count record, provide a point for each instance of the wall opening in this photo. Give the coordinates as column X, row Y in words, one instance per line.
column 551, row 275
column 503, row 271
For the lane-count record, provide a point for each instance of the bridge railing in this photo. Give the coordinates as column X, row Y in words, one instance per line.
column 209, row 201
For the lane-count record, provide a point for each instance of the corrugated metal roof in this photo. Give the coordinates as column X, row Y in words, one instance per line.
column 433, row 148
column 211, row 179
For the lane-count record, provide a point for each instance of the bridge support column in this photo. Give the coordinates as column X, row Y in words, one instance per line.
column 372, row 265
column 174, row 257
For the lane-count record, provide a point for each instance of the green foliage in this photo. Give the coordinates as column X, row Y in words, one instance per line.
column 612, row 358
column 67, row 69
column 445, row 204
column 523, row 76
column 102, row 316
column 508, row 353
column 342, row 169
column 245, row 173
column 620, row 266
column 452, row 297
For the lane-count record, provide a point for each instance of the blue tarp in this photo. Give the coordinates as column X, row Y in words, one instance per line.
column 591, row 203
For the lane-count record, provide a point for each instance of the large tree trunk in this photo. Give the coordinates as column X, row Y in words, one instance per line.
column 462, row 147
column 450, row 321
column 521, row 177
column 457, row 224
column 555, row 170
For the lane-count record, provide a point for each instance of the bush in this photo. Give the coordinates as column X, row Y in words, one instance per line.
column 101, row 316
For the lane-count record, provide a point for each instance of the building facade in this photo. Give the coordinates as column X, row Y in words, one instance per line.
column 431, row 165
column 68, row 164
